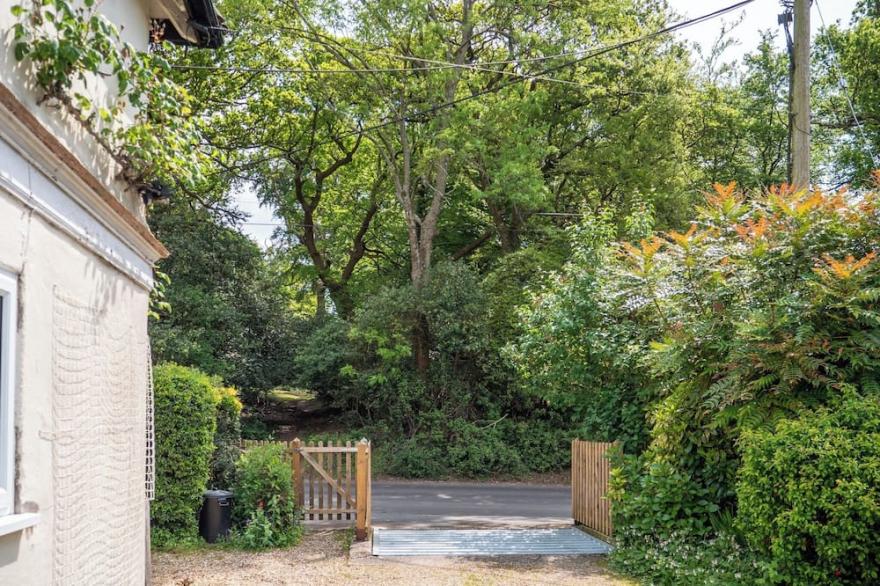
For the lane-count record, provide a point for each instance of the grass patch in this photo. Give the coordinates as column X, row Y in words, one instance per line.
column 290, row 395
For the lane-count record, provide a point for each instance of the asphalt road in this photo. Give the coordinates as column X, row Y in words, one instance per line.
column 414, row 505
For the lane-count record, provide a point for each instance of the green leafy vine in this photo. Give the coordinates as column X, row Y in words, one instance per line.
column 149, row 129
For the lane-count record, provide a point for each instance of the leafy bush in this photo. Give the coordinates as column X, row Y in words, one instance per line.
column 464, row 416
column 227, row 438
column 809, row 495
column 265, row 505
column 480, row 449
column 511, row 282
column 415, row 458
column 230, row 313
column 319, row 361
column 653, row 498
column 581, row 349
column 766, row 306
column 683, row 559
column 254, row 428
column 185, row 423
column 544, row 444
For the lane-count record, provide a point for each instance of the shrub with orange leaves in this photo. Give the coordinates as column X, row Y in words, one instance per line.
column 766, row 306
column 839, row 271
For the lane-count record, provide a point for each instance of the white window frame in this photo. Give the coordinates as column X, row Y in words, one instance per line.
column 8, row 327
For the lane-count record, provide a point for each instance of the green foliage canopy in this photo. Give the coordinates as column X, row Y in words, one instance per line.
column 230, row 315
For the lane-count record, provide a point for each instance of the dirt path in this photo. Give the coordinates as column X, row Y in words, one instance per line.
column 322, row 559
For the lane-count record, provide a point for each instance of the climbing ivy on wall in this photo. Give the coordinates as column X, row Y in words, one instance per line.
column 147, row 127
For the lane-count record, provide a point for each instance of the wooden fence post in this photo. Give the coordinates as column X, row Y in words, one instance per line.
column 369, row 484
column 362, row 522
column 296, row 460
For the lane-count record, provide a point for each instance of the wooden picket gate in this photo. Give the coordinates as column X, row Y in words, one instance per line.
column 332, row 482
column 590, row 471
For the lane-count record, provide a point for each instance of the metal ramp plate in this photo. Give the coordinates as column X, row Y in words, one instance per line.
column 476, row 542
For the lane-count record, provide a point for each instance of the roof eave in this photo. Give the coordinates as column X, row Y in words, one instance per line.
column 192, row 23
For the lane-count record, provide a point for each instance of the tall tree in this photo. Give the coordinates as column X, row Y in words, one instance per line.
column 294, row 139
column 229, row 315
column 847, row 67
column 738, row 129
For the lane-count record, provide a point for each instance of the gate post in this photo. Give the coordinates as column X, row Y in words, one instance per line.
column 362, row 523
column 297, row 469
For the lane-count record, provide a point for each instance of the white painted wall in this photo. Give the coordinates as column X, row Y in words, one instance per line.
column 84, row 281
column 63, row 365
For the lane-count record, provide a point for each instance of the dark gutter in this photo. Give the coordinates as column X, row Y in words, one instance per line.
column 204, row 21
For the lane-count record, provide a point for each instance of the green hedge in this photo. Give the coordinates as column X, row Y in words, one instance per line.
column 809, row 495
column 185, row 422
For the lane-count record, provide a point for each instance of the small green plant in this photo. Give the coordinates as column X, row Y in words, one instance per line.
column 685, row 559
column 258, row 533
column 265, row 507
column 346, row 539
column 254, row 428
column 653, row 498
column 500, row 447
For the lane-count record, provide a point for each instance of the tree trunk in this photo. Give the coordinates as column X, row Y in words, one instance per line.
column 342, row 300
column 421, row 345
column 421, row 229
column 508, row 230
column 337, row 287
column 320, row 305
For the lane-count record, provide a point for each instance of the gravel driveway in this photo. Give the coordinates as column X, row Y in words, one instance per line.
column 322, row 558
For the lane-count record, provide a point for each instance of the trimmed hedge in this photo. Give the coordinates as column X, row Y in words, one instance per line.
column 809, row 495
column 185, row 423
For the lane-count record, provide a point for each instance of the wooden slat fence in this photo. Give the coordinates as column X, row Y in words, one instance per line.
column 590, row 471
column 331, row 482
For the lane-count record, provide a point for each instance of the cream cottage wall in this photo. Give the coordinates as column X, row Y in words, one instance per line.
column 75, row 243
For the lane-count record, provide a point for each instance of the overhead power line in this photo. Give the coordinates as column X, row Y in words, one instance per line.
column 408, row 71
column 672, row 28
column 479, row 67
column 302, row 71
column 284, row 224
column 584, row 56
column 594, row 53
column 669, row 29
column 439, row 65
column 588, row 50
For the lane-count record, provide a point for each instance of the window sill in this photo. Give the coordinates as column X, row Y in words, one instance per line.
column 12, row 523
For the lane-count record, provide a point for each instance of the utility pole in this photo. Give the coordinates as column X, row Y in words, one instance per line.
column 800, row 139
column 785, row 19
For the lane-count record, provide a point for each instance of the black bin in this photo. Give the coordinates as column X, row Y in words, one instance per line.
column 215, row 517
